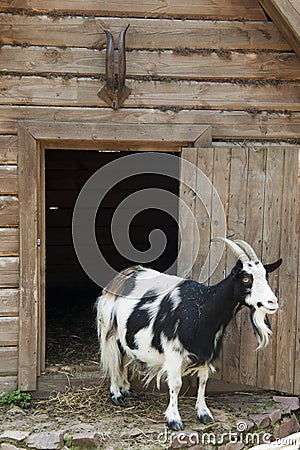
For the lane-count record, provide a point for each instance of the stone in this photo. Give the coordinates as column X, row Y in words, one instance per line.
column 274, row 415
column 46, row 440
column 89, row 439
column 261, row 420
column 287, row 404
column 16, row 410
column 6, row 446
column 232, row 446
column 288, row 426
column 14, row 435
column 132, row 433
column 244, row 425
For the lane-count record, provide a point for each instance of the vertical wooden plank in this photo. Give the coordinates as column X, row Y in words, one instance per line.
column 236, row 228
column 187, row 189
column 220, row 180
column 253, row 235
column 41, row 259
column 203, row 212
column 266, row 365
column 28, row 260
column 286, row 322
column 297, row 340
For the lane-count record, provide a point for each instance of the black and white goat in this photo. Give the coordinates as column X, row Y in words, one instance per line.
column 175, row 326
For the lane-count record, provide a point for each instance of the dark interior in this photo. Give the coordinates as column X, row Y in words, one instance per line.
column 70, row 294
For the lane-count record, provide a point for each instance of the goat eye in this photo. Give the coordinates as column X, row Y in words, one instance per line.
column 246, row 280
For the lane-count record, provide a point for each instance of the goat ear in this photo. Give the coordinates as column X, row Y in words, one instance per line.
column 271, row 267
column 237, row 268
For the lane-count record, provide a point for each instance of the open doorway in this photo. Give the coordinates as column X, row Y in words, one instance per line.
column 70, row 294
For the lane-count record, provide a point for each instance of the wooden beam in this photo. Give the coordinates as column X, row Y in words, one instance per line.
column 106, row 135
column 221, row 65
column 39, row 91
column 226, row 124
column 286, row 15
column 16, row 29
column 223, row 9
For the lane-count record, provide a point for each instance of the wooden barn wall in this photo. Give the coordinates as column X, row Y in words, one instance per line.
column 259, row 190
column 219, row 63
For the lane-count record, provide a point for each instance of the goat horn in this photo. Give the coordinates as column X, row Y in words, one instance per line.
column 236, row 250
column 248, row 249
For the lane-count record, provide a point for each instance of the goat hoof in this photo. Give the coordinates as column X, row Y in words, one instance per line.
column 175, row 425
column 205, row 419
column 130, row 394
column 117, row 401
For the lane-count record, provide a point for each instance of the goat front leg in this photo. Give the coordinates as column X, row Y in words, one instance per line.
column 173, row 365
column 203, row 413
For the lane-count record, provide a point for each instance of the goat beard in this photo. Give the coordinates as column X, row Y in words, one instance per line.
column 261, row 327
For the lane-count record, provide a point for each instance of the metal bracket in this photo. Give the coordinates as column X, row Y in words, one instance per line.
column 115, row 92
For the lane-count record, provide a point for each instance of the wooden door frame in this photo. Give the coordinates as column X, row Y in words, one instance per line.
column 33, row 138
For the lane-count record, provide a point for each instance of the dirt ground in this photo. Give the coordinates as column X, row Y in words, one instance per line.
column 140, row 425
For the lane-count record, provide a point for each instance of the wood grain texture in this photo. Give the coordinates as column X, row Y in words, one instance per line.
column 166, row 64
column 230, row 9
column 9, row 331
column 236, row 201
column 9, row 360
column 289, row 242
column 226, row 124
column 9, row 302
column 149, row 94
column 271, row 253
column 9, row 211
column 8, row 180
column 9, row 271
column 254, row 209
column 286, row 15
column 143, row 33
column 9, row 242
column 28, row 332
column 8, row 150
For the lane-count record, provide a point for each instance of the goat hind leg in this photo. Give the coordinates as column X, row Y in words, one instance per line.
column 203, row 413
column 173, row 367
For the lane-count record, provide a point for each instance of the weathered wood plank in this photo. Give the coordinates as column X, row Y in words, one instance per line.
column 29, row 283
column 143, row 34
column 8, row 149
column 8, row 180
column 153, row 94
column 224, row 9
column 8, row 384
column 9, row 211
column 9, row 271
column 9, row 242
column 9, row 302
column 235, row 230
column 253, row 234
column 226, row 124
column 271, row 253
column 286, row 15
column 286, row 319
column 9, row 331
column 167, row 64
column 9, row 360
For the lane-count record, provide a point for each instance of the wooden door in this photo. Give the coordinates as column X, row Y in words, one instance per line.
column 259, row 190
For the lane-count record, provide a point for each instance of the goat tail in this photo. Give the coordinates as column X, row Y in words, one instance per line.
column 110, row 354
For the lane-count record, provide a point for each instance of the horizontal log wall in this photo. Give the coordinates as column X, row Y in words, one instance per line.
column 219, row 63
